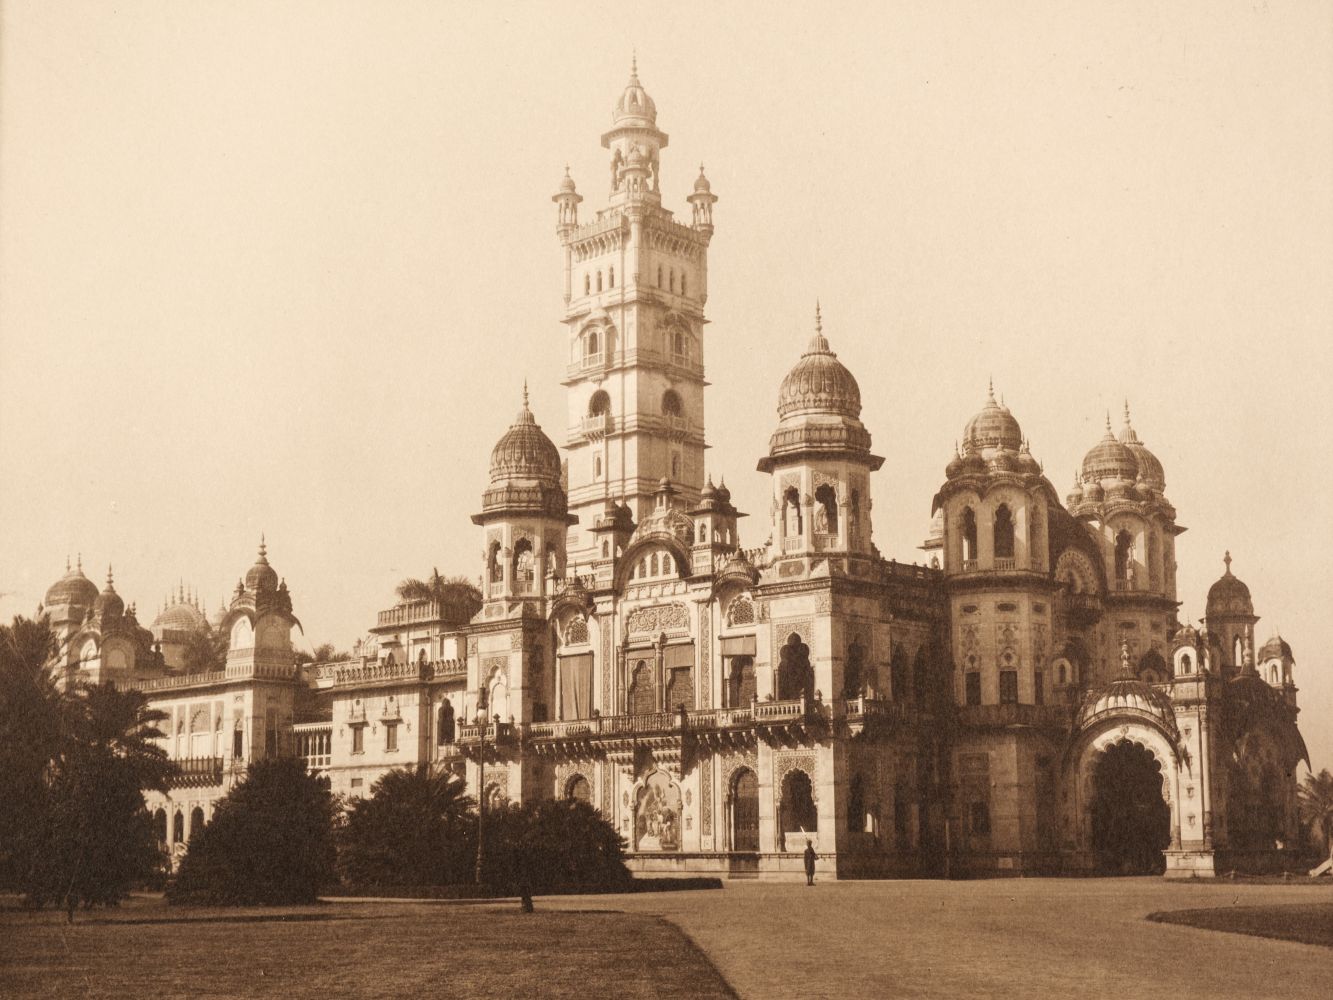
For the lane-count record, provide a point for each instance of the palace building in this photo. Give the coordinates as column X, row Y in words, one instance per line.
column 1029, row 702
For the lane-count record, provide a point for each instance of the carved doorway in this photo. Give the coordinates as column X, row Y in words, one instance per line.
column 745, row 811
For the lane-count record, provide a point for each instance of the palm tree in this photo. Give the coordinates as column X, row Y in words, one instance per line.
column 1316, row 804
column 121, row 725
column 458, row 597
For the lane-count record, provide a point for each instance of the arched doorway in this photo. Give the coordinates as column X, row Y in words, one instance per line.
column 797, row 814
column 578, row 789
column 741, row 687
column 1130, row 821
column 196, row 821
column 795, row 677
column 642, row 698
column 745, row 811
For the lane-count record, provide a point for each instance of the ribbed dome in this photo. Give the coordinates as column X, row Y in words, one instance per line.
column 993, row 427
column 179, row 616
column 567, row 183
column 1150, row 469
column 635, row 103
column 524, row 452
column 1126, row 696
column 701, row 185
column 1109, row 459
column 1276, row 648
column 72, row 588
column 109, row 604
column 1229, row 595
column 819, row 383
column 261, row 576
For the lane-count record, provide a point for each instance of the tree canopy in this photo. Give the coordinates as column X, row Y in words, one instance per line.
column 459, row 597
column 1315, row 799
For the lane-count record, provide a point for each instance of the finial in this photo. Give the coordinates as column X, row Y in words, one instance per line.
column 1108, row 421
column 1126, row 412
column 110, row 579
column 819, row 320
column 990, row 388
column 525, row 394
column 1227, row 559
column 263, row 546
column 701, row 168
column 634, row 61
column 79, row 562
column 67, row 563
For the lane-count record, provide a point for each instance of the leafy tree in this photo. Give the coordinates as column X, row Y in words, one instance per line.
column 557, row 844
column 414, row 829
column 458, row 596
column 325, row 652
column 33, row 725
column 270, row 842
column 1315, row 799
column 205, row 651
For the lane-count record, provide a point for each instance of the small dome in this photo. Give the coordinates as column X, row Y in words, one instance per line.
column 72, row 589
column 1126, row 696
column 635, row 105
column 1026, row 463
column 109, row 604
column 567, row 183
column 1229, row 595
column 261, row 576
column 723, row 494
column 993, row 427
column 1276, row 648
column 955, row 466
column 1093, row 491
column 1150, row 469
column 1109, row 460
column 701, row 185
column 524, row 452
column 709, row 491
column 179, row 616
column 819, row 382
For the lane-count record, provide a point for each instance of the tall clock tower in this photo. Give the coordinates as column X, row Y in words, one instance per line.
column 635, row 285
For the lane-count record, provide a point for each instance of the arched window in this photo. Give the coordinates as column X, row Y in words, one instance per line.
column 600, row 403
column 675, row 466
column 740, row 686
column 1124, row 556
column 1237, row 652
column 444, row 723
column 969, row 535
column 642, row 699
column 578, row 789
column 587, row 284
column 1186, row 664
column 671, row 404
column 795, row 676
column 161, row 826
column 682, row 282
column 659, row 275
column 852, row 679
column 524, row 567
column 597, row 467
column 495, row 568
column 1004, row 532
column 643, row 567
column 856, row 805
column 599, row 281
column 196, row 821
column 653, row 565
column 703, row 533
column 611, row 277
column 791, row 513
column 178, row 828
column 591, row 345
column 671, row 279
column 826, row 510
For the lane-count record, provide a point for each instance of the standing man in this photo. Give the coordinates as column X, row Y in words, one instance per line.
column 810, row 858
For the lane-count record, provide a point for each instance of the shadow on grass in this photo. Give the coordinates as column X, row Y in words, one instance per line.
column 1305, row 923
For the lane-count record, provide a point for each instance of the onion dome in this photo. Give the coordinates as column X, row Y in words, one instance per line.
column 261, row 576
column 1276, row 648
column 1126, row 695
column 709, row 491
column 72, row 589
column 819, row 382
column 524, row 452
column 955, row 466
column 723, row 494
column 1109, row 460
column 701, row 185
column 993, row 427
column 1026, row 463
column 109, row 604
column 1076, row 494
column 819, row 409
column 1150, row 469
column 1229, row 595
column 635, row 106
column 567, row 184
column 1094, row 492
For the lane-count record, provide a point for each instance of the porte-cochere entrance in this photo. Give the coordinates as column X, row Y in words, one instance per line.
column 1131, row 823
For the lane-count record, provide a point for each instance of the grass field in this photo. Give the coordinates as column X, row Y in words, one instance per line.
column 146, row 949
column 1308, row 923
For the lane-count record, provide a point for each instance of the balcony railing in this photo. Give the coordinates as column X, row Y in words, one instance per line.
column 371, row 673
column 414, row 611
column 969, row 565
column 197, row 771
column 1005, row 565
column 598, row 425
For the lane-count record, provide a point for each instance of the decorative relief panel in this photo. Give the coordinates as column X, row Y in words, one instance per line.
column 706, row 797
column 491, row 664
column 606, row 669
column 705, row 656
column 784, row 762
column 740, row 611
column 472, row 646
column 658, row 618
column 824, row 603
column 515, row 640
column 733, row 763
column 804, row 627
column 608, row 790
column 763, row 611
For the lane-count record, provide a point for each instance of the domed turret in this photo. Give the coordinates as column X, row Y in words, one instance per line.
column 261, row 576
column 819, row 382
column 635, row 106
column 1229, row 595
column 1276, row 648
column 180, row 614
column 72, row 589
column 992, row 428
column 109, row 604
column 1150, row 469
column 955, row 466
column 1126, row 695
column 1109, row 460
column 525, row 452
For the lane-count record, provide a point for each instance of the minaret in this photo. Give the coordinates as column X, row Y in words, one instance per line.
column 635, row 285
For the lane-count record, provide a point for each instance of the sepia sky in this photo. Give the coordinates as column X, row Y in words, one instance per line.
column 284, row 268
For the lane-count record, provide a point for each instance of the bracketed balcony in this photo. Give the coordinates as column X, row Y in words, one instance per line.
column 197, row 772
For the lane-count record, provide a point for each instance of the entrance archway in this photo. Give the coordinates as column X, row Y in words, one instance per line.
column 745, row 811
column 1130, row 820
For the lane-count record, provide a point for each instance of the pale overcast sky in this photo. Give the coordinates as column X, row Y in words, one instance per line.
column 284, row 267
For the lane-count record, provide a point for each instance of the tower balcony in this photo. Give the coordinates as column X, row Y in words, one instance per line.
column 597, row 426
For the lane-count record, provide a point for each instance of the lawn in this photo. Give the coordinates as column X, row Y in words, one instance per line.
column 1308, row 923
column 146, row 949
